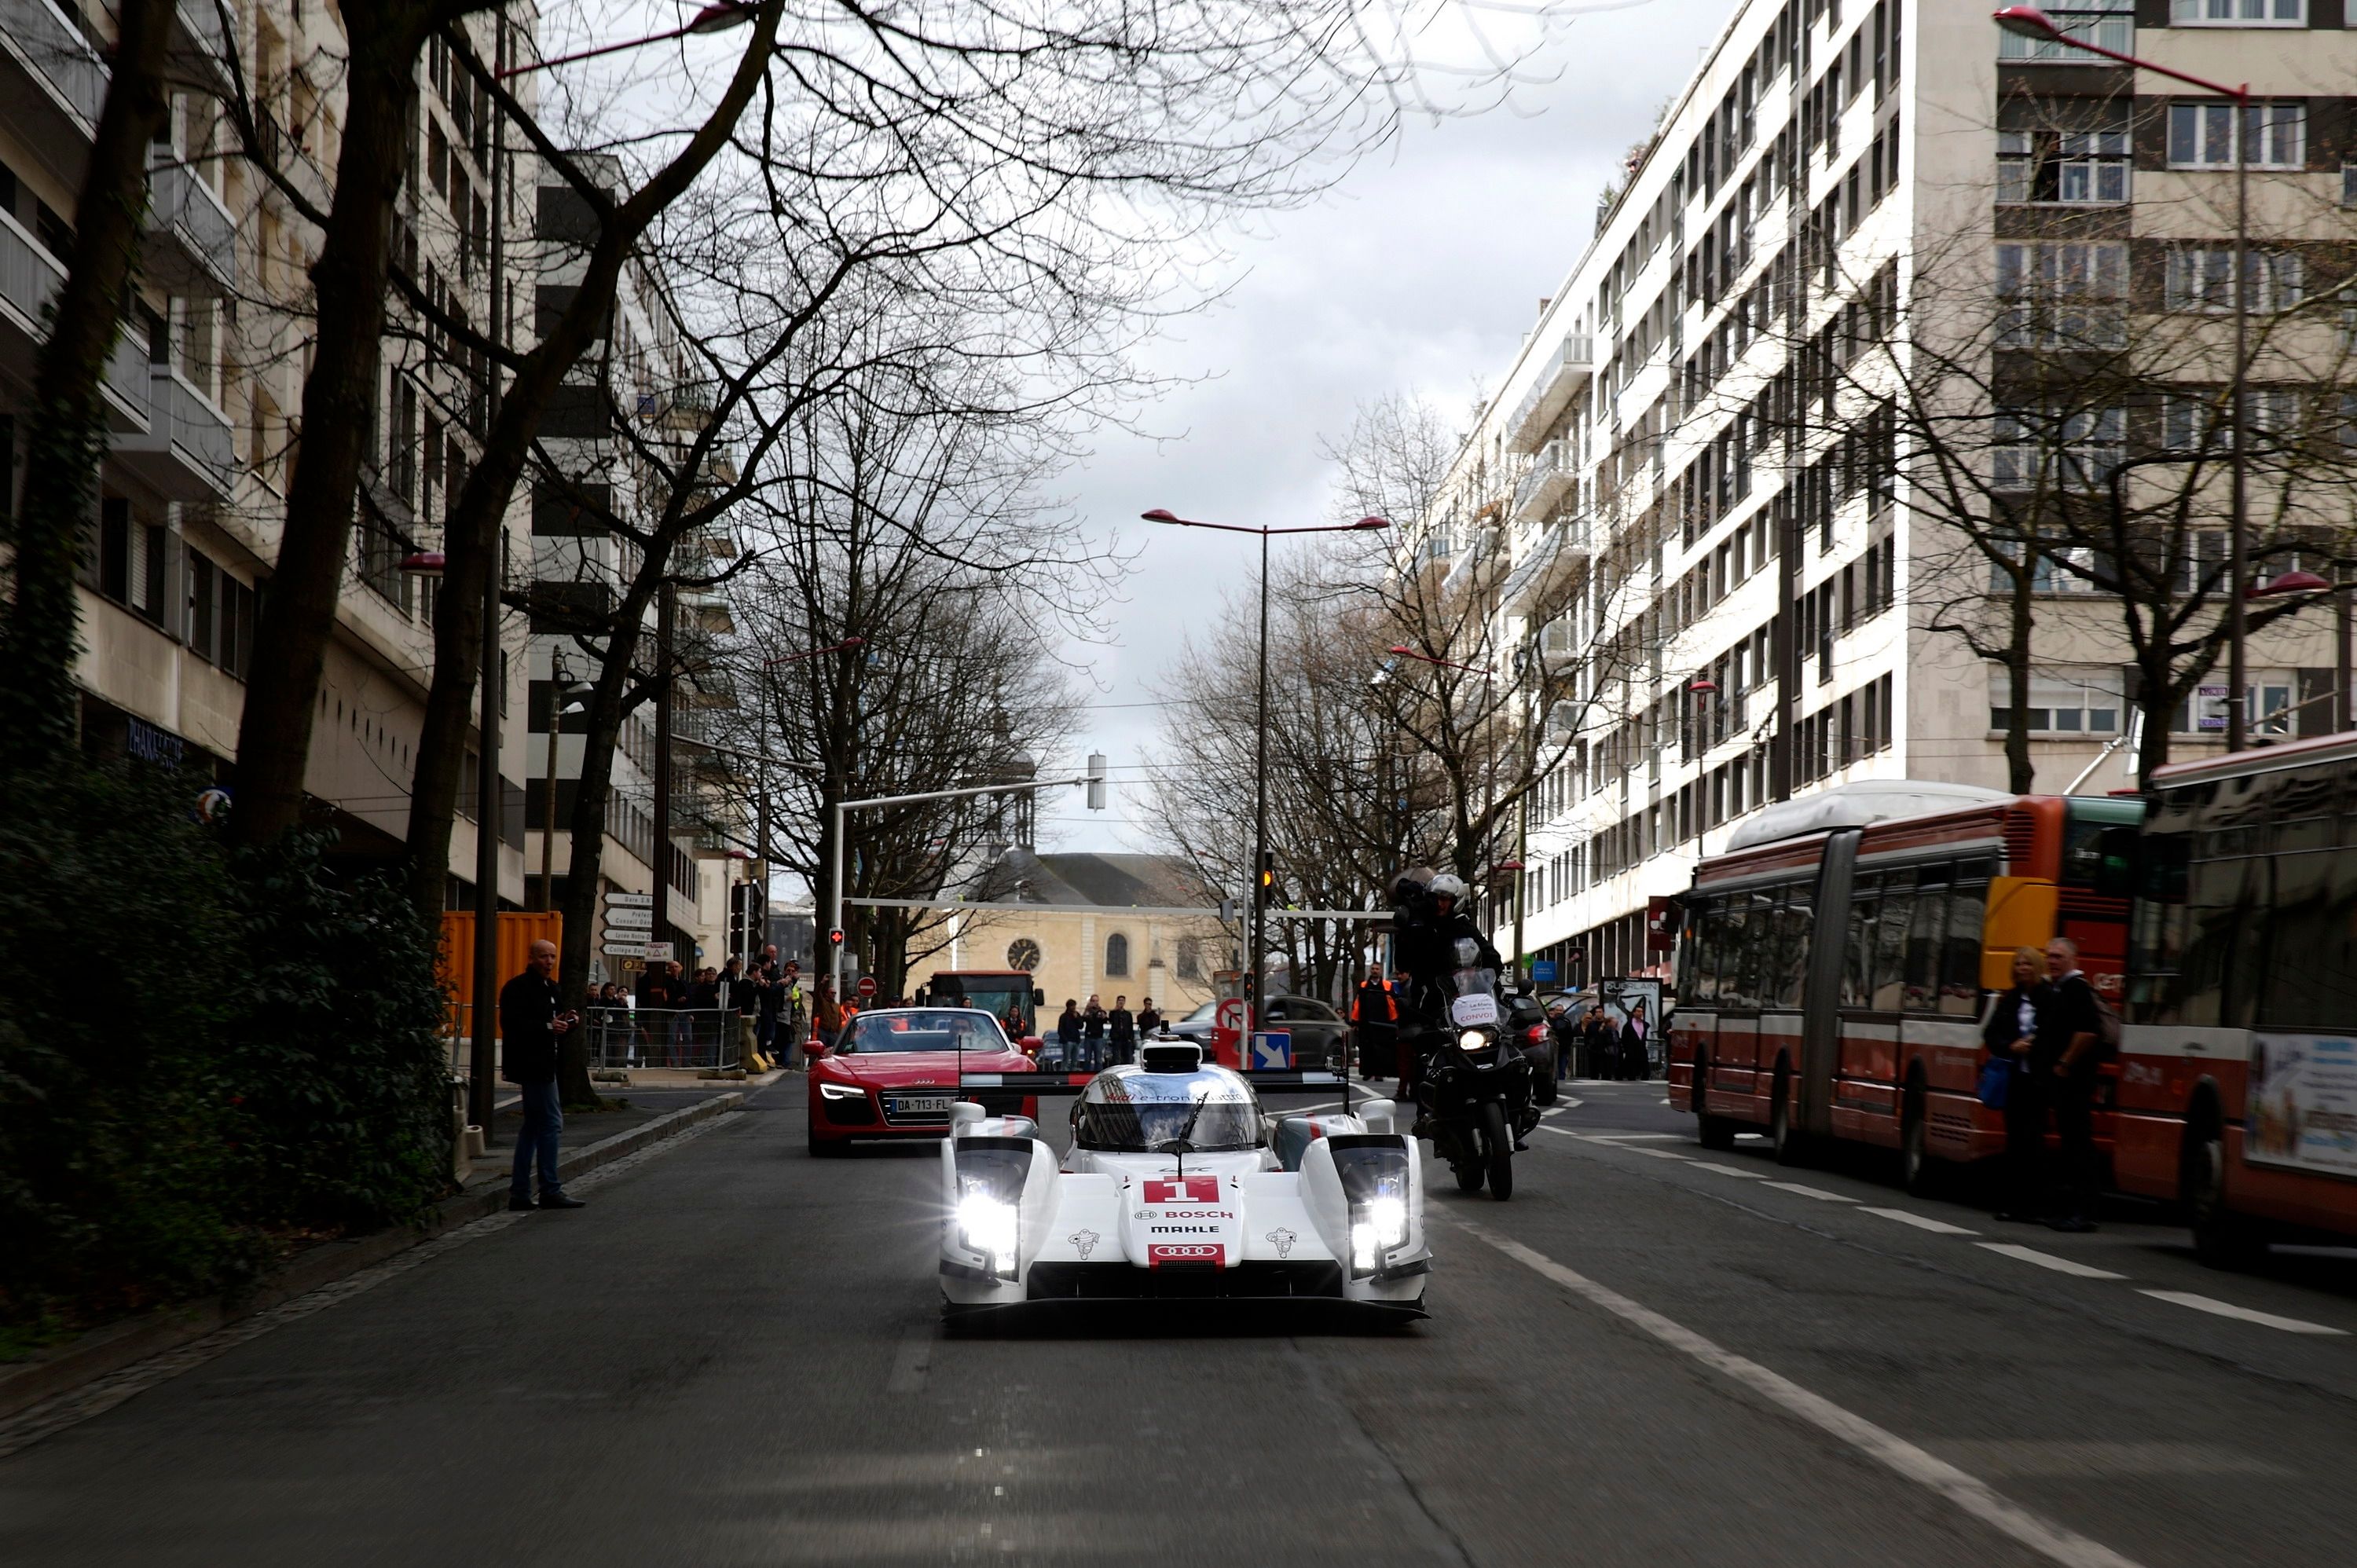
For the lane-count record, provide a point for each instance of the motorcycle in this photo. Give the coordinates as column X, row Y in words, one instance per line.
column 1475, row 1093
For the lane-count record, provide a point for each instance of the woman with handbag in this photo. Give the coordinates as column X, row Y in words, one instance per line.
column 2007, row 1084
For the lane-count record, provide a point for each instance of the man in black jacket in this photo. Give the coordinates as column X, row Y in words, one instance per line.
column 529, row 1028
column 2064, row 1054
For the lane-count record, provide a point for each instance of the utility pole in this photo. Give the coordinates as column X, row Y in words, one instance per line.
column 491, row 805
column 666, row 617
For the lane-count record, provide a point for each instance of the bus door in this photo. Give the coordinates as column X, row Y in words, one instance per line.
column 1821, row 994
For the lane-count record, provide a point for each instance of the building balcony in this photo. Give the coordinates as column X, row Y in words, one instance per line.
column 1560, row 644
column 707, row 613
column 191, row 236
column 198, row 50
column 29, row 281
column 59, row 86
column 188, row 451
column 1550, row 477
column 1471, row 563
column 1554, row 553
column 1559, row 376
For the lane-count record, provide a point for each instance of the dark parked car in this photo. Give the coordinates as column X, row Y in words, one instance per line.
column 1319, row 1033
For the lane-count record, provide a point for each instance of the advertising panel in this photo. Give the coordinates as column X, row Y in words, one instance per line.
column 2303, row 1103
column 1627, row 997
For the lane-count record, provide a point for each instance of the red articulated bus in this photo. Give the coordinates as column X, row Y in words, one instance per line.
column 2238, row 1083
column 1832, row 964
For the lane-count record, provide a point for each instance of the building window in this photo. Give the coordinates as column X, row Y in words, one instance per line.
column 2062, row 295
column 2110, row 22
column 2078, row 168
column 2061, row 703
column 2057, row 449
column 2238, row 13
column 2202, row 278
column 1191, row 958
column 1116, row 960
column 2201, row 136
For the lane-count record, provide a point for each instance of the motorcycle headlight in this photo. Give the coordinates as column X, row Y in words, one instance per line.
column 1472, row 1040
column 841, row 1090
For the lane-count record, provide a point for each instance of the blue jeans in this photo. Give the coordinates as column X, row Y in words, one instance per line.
column 544, row 1118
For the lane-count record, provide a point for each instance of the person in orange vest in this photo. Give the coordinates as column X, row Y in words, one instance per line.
column 1374, row 1016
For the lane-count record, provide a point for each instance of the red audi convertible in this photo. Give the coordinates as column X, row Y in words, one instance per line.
column 895, row 1075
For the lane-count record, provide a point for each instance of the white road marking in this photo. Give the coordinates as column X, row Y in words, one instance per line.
column 1724, row 1170
column 2248, row 1315
column 1640, row 1137
column 910, row 1362
column 1758, row 1137
column 2048, row 1261
column 1609, row 1143
column 1820, row 1194
column 75, row 1406
column 1967, row 1492
column 1938, row 1227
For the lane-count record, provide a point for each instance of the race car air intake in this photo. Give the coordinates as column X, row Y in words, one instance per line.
column 1375, row 1174
column 1177, row 1057
column 990, row 1176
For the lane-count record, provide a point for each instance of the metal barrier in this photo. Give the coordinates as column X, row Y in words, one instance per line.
column 662, row 1037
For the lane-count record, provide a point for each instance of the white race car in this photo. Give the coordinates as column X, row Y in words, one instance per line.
column 1178, row 1186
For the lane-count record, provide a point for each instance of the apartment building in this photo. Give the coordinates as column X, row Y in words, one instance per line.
column 204, row 397
column 619, row 433
column 1757, row 605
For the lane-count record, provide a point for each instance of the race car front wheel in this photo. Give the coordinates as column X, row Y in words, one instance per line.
column 1497, row 1151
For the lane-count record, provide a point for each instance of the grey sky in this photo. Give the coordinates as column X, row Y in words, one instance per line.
column 1420, row 274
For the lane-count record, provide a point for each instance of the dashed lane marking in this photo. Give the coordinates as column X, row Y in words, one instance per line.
column 1966, row 1492
column 1725, row 1170
column 911, row 1363
column 1920, row 1223
column 2248, row 1315
column 2048, row 1261
column 1820, row 1194
column 1640, row 1137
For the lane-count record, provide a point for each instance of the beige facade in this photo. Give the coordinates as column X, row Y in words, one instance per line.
column 1110, row 949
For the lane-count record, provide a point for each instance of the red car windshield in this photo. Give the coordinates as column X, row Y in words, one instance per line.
column 927, row 1029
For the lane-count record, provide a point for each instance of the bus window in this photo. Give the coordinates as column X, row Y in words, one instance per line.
column 2157, row 928
column 1701, row 982
column 1734, row 927
column 2311, row 969
column 1858, row 947
column 2223, row 947
column 1960, row 961
column 1924, row 936
column 1890, row 939
column 1788, row 974
column 1753, row 950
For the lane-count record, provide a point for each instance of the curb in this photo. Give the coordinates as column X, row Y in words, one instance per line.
column 118, row 1345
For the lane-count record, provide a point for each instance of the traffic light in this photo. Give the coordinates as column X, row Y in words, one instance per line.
column 748, row 907
column 1268, row 868
column 835, row 937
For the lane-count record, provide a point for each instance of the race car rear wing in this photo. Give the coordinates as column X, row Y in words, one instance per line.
column 1055, row 1083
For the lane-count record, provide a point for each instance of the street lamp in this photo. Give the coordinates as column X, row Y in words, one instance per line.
column 560, row 686
column 2284, row 584
column 2029, row 22
column 1260, row 764
column 716, row 18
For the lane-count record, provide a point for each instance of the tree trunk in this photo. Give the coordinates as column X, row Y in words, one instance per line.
column 2158, row 702
column 298, row 612
column 2020, row 772
column 585, row 862
column 66, row 435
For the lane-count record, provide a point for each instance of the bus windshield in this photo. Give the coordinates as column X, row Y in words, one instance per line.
column 1008, row 1000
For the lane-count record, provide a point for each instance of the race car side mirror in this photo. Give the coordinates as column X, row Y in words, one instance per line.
column 1378, row 1115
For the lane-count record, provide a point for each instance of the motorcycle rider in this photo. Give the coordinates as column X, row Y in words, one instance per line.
column 1427, row 930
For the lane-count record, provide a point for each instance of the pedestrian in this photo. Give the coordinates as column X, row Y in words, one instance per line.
column 2008, row 1034
column 1069, row 1026
column 1149, row 1022
column 733, row 997
column 1093, row 1031
column 1562, row 1027
column 768, row 991
column 826, row 1014
column 529, row 1028
column 1374, row 1021
column 1121, row 1030
column 2064, row 1056
column 1634, row 1061
column 797, row 1003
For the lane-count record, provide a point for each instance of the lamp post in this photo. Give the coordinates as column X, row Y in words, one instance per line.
column 1258, row 955
column 2284, row 584
column 716, row 18
column 2029, row 22
column 560, row 685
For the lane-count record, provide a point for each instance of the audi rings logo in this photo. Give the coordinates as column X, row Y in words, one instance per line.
column 1186, row 1252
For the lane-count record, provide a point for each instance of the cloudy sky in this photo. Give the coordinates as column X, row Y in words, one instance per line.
column 1419, row 272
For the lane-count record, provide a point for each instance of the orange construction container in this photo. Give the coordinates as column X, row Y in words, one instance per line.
column 518, row 930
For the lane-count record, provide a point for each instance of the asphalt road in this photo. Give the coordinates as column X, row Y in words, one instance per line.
column 1653, row 1354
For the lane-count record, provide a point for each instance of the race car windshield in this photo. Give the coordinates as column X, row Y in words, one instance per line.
column 873, row 1034
column 1166, row 1114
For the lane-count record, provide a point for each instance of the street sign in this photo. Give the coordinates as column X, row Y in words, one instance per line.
column 634, row 965
column 631, row 951
column 629, row 900
column 1542, row 971
column 867, row 987
column 637, row 919
column 1272, row 1051
column 659, row 951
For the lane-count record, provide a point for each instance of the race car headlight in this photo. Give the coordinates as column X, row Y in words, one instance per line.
column 1472, row 1040
column 1375, row 1176
column 988, row 1215
column 987, row 1225
column 841, row 1090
